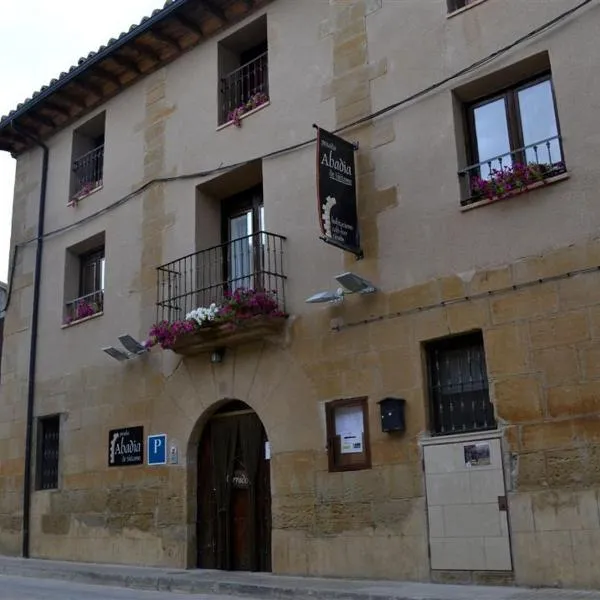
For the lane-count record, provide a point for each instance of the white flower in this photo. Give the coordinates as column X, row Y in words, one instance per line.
column 202, row 315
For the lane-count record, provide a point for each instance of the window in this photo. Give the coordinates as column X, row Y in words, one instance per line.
column 348, row 434
column 84, row 280
column 243, row 71
column 458, row 4
column 48, row 453
column 513, row 139
column 87, row 170
column 458, row 385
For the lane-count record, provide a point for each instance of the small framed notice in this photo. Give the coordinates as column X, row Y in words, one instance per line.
column 347, row 434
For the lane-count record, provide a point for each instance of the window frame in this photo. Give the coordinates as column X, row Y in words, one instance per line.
column 41, row 465
column 456, row 342
column 513, row 117
column 96, row 257
column 334, row 456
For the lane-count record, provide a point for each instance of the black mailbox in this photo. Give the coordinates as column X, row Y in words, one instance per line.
column 392, row 414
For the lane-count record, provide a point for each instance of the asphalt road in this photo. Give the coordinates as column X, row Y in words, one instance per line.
column 26, row 588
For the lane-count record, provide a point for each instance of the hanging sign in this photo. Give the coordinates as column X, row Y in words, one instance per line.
column 336, row 191
column 126, row 447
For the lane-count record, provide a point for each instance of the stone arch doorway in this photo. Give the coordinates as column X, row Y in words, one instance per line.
column 233, row 523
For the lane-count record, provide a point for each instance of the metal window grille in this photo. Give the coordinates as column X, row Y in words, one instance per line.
column 460, row 401
column 48, row 448
column 89, row 171
column 199, row 279
column 239, row 86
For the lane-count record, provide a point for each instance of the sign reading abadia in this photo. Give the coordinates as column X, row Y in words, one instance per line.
column 126, row 447
column 336, row 189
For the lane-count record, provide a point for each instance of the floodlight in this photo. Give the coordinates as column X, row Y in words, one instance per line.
column 116, row 354
column 355, row 284
column 132, row 345
column 322, row 297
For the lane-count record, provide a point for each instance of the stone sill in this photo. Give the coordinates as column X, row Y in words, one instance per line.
column 459, row 11
column 440, row 440
column 79, row 321
column 251, row 112
column 533, row 186
column 76, row 201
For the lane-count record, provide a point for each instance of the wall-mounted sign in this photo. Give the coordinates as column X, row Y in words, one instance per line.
column 477, row 454
column 336, row 192
column 126, row 447
column 157, row 449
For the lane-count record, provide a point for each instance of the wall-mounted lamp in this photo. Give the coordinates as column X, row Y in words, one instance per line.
column 351, row 284
column 132, row 348
column 392, row 414
column 216, row 356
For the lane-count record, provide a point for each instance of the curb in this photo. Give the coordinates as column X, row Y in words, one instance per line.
column 188, row 584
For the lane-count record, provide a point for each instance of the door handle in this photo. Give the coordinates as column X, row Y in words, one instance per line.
column 502, row 504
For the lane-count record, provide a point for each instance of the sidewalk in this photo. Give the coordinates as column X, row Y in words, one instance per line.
column 260, row 585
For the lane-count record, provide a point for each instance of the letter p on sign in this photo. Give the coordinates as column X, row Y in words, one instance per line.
column 157, row 449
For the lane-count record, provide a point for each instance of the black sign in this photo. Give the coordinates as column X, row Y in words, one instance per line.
column 336, row 188
column 126, row 447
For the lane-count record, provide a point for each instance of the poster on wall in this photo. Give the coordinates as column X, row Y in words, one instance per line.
column 477, row 455
column 126, row 447
column 336, row 192
column 351, row 443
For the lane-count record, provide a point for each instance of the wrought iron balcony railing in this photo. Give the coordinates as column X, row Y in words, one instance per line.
column 85, row 306
column 513, row 171
column 89, row 171
column 197, row 280
column 240, row 86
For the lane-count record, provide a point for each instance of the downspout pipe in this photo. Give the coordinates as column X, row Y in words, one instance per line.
column 33, row 343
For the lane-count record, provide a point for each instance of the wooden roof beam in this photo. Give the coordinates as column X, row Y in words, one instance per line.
column 127, row 63
column 166, row 39
column 88, row 86
column 61, row 110
column 188, row 24
column 146, row 51
column 103, row 73
column 212, row 8
column 71, row 98
column 41, row 120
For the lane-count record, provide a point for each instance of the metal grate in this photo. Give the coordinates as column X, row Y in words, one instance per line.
column 89, row 171
column 544, row 157
column 459, row 389
column 49, row 441
column 199, row 279
column 239, row 86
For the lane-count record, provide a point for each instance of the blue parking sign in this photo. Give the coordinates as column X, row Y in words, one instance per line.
column 157, row 449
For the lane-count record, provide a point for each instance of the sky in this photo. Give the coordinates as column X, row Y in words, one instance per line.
column 38, row 40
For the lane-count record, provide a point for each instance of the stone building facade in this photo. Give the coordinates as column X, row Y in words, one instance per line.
column 485, row 319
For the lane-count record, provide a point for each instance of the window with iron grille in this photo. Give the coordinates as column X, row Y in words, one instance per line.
column 458, row 383
column 243, row 71
column 48, row 453
column 87, row 159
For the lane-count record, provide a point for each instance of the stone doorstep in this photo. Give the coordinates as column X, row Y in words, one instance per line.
column 260, row 585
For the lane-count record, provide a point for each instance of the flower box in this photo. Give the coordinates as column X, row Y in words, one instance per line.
column 226, row 335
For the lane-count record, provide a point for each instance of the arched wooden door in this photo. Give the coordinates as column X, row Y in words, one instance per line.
column 234, row 492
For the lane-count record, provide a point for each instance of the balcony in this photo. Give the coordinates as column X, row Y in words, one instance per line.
column 88, row 171
column 250, row 268
column 85, row 307
column 244, row 89
column 513, row 173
